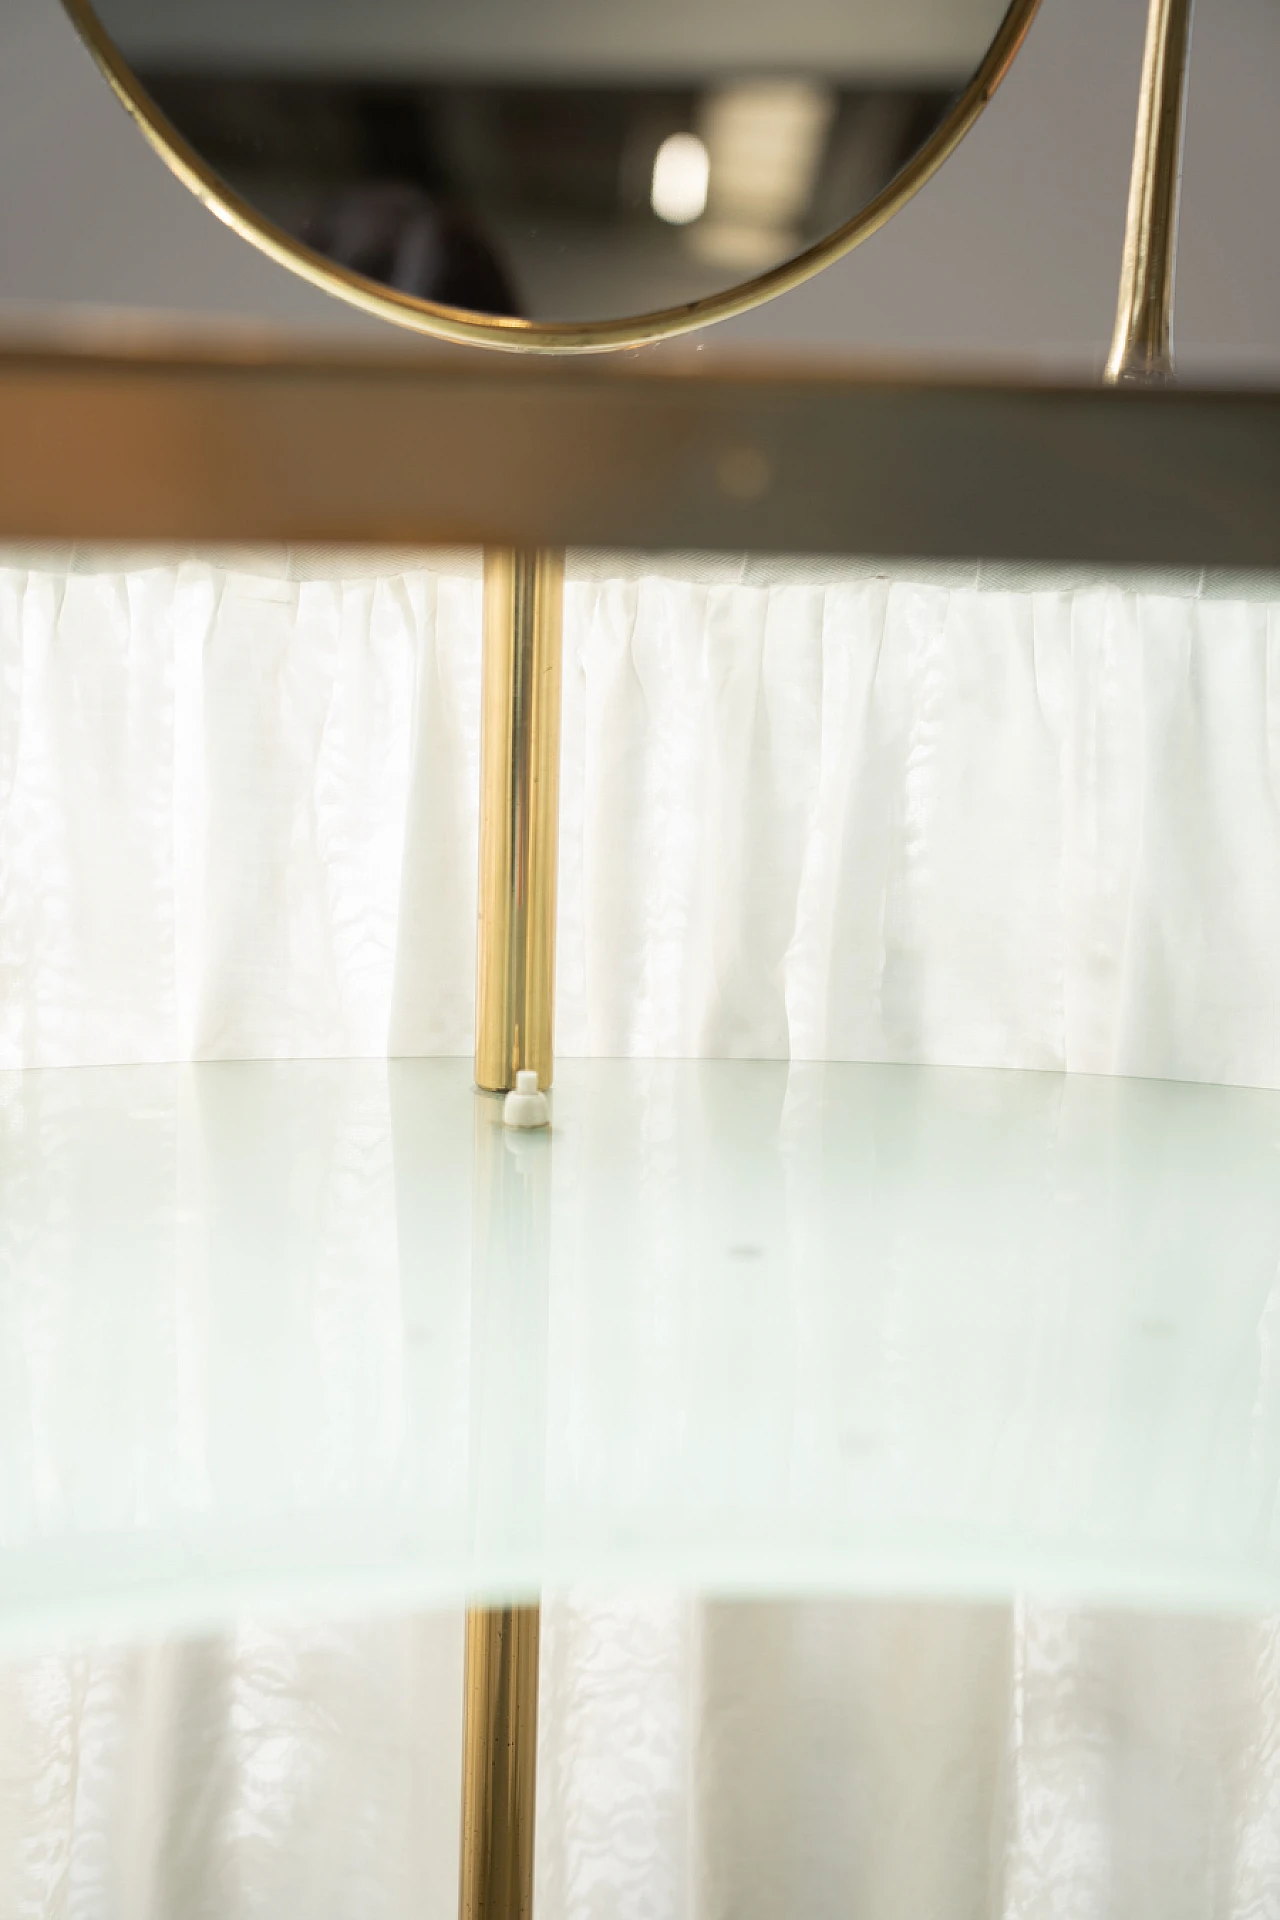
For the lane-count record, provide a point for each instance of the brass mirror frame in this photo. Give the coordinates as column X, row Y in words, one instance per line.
column 536, row 336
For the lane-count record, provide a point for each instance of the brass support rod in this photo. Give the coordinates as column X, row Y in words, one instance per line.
column 515, row 1008
column 1142, row 349
column 519, row 816
column 499, row 1763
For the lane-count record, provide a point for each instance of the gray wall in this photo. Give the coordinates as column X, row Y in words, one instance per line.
column 1010, row 254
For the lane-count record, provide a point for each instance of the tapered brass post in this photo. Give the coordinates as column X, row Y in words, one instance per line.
column 1142, row 348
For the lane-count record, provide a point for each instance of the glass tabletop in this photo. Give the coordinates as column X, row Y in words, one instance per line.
column 326, row 1334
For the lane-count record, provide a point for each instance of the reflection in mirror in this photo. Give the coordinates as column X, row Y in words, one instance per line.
column 555, row 160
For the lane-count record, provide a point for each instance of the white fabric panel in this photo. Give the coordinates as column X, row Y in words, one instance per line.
column 216, row 787
column 310, row 1771
column 617, row 1757
column 895, row 1761
column 889, row 821
column 803, row 814
column 867, row 819
column 731, row 1762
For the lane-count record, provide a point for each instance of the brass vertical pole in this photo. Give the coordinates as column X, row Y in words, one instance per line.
column 1142, row 349
column 499, row 1763
column 519, row 816
column 515, row 1005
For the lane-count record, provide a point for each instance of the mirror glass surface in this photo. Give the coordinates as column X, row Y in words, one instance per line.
column 566, row 161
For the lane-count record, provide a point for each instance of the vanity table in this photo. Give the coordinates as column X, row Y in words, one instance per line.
column 325, row 1333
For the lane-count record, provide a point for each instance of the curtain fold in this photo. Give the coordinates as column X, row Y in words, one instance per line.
column 805, row 815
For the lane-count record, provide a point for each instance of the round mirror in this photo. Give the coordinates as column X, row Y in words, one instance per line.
column 555, row 174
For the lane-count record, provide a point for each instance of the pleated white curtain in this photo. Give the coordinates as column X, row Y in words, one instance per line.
column 837, row 819
column 806, row 813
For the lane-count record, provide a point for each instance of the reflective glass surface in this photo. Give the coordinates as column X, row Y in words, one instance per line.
column 556, row 161
column 327, row 1333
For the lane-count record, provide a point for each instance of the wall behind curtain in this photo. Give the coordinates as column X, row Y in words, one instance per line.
column 807, row 813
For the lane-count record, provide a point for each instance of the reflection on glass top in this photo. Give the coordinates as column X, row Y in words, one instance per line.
column 556, row 160
column 325, row 1333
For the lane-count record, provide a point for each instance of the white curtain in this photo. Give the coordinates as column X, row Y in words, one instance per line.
column 853, row 818
column 810, row 813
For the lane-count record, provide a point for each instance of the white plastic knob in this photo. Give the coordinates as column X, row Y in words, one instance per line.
column 526, row 1107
